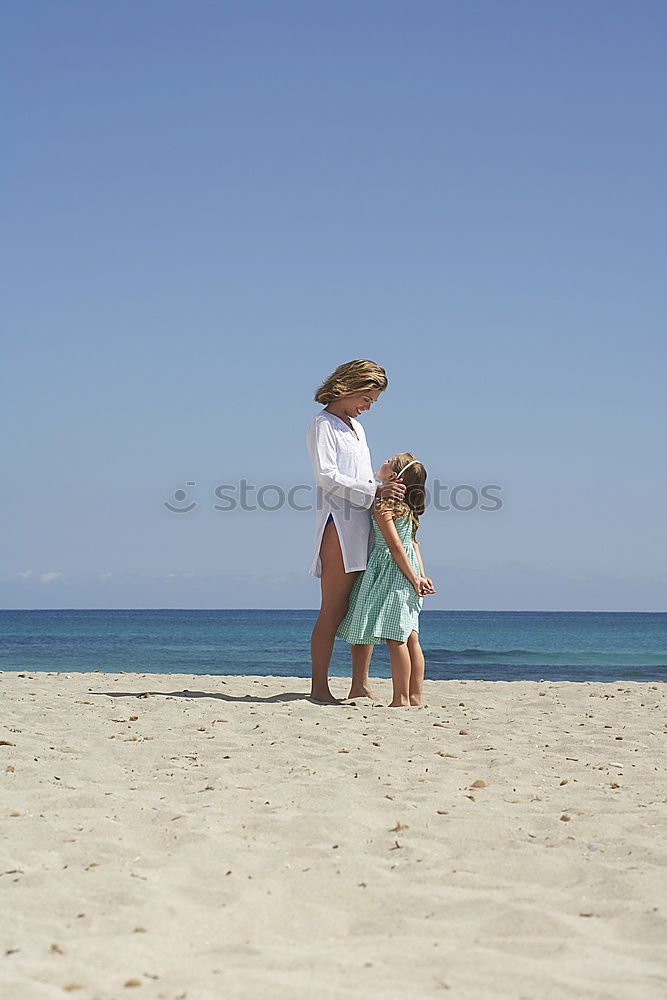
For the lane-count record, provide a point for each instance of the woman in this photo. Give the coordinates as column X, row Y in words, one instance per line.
column 346, row 489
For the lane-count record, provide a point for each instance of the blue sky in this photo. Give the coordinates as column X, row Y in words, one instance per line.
column 211, row 205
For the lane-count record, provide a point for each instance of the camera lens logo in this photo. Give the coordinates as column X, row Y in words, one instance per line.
column 180, row 496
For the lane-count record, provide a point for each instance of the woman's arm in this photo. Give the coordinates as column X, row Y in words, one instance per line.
column 322, row 450
column 386, row 525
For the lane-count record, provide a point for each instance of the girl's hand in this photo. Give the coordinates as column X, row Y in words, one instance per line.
column 426, row 586
column 417, row 584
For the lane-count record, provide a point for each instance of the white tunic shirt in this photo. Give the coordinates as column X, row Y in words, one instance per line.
column 345, row 487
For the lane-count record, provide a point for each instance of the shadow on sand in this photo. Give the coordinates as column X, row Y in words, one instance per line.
column 247, row 699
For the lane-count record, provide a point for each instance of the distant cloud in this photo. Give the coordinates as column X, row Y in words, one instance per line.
column 47, row 577
column 25, row 574
column 104, row 576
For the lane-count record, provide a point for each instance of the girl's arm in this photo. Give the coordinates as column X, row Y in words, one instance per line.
column 415, row 545
column 429, row 588
column 386, row 525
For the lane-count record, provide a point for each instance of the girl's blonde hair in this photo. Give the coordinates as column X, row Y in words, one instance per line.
column 415, row 485
column 351, row 378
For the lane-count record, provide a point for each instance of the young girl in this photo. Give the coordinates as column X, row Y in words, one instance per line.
column 386, row 599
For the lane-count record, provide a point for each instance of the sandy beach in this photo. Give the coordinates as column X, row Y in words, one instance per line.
column 194, row 837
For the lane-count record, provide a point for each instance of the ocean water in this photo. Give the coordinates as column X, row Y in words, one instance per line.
column 488, row 645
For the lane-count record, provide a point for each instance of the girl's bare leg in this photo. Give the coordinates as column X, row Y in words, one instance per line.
column 400, row 672
column 361, row 658
column 416, row 670
column 336, row 586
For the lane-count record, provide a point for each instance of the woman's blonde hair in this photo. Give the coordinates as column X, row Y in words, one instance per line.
column 351, row 378
column 415, row 485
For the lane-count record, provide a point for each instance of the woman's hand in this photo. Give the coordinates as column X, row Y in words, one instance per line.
column 416, row 582
column 391, row 491
column 426, row 586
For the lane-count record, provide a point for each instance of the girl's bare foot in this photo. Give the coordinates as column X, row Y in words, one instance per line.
column 362, row 692
column 401, row 703
column 416, row 699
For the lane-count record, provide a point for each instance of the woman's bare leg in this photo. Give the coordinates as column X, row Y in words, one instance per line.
column 416, row 670
column 361, row 659
column 400, row 673
column 336, row 586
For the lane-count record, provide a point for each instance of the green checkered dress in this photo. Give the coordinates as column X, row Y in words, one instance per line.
column 383, row 603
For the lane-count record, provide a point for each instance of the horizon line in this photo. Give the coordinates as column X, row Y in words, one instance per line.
column 480, row 611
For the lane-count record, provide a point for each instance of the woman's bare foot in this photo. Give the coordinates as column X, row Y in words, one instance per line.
column 362, row 692
column 416, row 699
column 401, row 703
column 324, row 697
